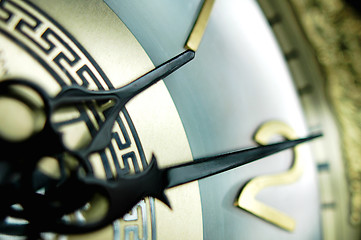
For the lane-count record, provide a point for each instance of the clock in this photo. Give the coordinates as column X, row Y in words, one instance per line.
column 236, row 93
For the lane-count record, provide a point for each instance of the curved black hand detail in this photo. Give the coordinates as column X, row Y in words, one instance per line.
column 21, row 157
column 124, row 193
column 33, row 147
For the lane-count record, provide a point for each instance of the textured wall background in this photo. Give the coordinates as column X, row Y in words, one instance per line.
column 334, row 30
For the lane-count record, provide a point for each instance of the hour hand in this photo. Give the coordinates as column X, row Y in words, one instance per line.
column 74, row 94
column 122, row 194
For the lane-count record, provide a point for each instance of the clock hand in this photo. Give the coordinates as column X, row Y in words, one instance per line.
column 26, row 154
column 77, row 94
column 122, row 194
column 121, row 96
column 209, row 166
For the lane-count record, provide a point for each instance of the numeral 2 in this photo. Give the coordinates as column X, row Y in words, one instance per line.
column 247, row 198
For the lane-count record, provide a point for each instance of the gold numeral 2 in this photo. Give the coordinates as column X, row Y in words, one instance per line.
column 247, row 198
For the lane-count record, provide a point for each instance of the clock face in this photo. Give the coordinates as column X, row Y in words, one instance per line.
column 237, row 82
column 236, row 93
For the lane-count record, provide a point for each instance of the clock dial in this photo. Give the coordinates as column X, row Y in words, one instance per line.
column 55, row 52
column 237, row 82
column 215, row 104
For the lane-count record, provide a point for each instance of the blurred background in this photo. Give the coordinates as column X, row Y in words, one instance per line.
column 321, row 41
column 333, row 27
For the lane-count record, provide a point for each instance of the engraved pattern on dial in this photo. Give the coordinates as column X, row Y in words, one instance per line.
column 53, row 58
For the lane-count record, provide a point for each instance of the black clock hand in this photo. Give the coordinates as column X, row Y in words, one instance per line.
column 75, row 94
column 121, row 96
column 122, row 194
column 205, row 167
column 22, row 156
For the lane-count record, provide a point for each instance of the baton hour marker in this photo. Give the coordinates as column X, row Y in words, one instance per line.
column 200, row 25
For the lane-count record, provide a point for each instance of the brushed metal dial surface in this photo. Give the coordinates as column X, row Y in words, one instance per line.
column 238, row 80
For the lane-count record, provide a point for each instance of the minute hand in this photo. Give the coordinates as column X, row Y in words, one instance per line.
column 209, row 166
column 124, row 193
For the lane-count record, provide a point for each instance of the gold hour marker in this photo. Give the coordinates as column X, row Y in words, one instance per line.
column 247, row 199
column 199, row 27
